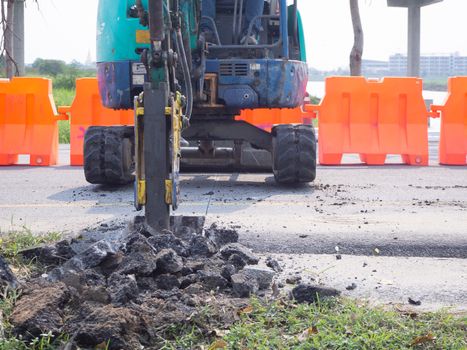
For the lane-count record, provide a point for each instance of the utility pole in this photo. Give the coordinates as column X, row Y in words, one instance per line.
column 414, row 29
column 413, row 40
column 18, row 36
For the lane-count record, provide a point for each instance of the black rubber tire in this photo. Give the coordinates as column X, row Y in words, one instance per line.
column 109, row 155
column 294, row 154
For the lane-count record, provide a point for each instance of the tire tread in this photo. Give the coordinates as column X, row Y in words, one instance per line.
column 104, row 149
column 294, row 154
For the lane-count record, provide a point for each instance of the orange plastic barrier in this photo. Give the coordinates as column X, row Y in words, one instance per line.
column 453, row 137
column 266, row 118
column 87, row 110
column 372, row 118
column 28, row 121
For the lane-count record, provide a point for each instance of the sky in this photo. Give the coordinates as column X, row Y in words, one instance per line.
column 66, row 29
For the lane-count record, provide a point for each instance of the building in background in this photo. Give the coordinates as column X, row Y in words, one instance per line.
column 375, row 69
column 431, row 66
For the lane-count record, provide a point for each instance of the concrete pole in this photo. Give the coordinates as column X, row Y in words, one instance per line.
column 413, row 51
column 18, row 36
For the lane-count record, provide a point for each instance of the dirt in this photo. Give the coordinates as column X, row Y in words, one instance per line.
column 132, row 291
column 41, row 308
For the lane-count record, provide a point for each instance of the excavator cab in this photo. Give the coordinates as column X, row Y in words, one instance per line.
column 269, row 74
column 230, row 21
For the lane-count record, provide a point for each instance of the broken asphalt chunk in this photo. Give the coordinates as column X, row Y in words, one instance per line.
column 263, row 276
column 304, row 293
column 414, row 302
column 243, row 286
column 242, row 251
column 7, row 277
column 273, row 264
column 168, row 261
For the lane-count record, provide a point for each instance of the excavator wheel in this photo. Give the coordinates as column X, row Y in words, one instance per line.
column 294, row 154
column 109, row 155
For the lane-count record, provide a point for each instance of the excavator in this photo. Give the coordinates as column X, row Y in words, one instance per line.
column 187, row 89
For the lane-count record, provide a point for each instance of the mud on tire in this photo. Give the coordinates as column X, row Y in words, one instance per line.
column 294, row 153
column 109, row 155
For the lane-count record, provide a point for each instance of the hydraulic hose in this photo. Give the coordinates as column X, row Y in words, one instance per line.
column 186, row 73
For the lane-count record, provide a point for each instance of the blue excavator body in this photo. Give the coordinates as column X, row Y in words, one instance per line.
column 272, row 75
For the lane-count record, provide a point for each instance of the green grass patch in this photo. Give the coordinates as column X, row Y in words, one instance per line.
column 44, row 342
column 334, row 324
column 13, row 242
column 315, row 100
column 435, row 84
column 64, row 131
column 63, row 97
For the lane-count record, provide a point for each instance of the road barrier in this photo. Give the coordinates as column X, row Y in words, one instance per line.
column 372, row 118
column 28, row 121
column 87, row 110
column 453, row 137
column 266, row 118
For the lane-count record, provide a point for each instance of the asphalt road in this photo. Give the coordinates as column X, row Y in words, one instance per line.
column 407, row 225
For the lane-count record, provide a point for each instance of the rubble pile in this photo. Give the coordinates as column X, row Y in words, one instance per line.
column 130, row 291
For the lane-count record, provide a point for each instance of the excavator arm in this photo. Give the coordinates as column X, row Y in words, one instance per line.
column 160, row 114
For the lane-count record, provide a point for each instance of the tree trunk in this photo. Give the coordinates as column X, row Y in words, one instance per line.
column 10, row 64
column 357, row 50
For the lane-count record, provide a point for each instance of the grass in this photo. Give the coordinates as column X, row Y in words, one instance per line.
column 63, row 97
column 435, row 84
column 335, row 324
column 13, row 242
column 63, row 131
column 44, row 342
column 315, row 100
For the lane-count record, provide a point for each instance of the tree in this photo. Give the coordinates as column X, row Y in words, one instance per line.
column 357, row 50
column 7, row 13
column 49, row 67
column 7, row 17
